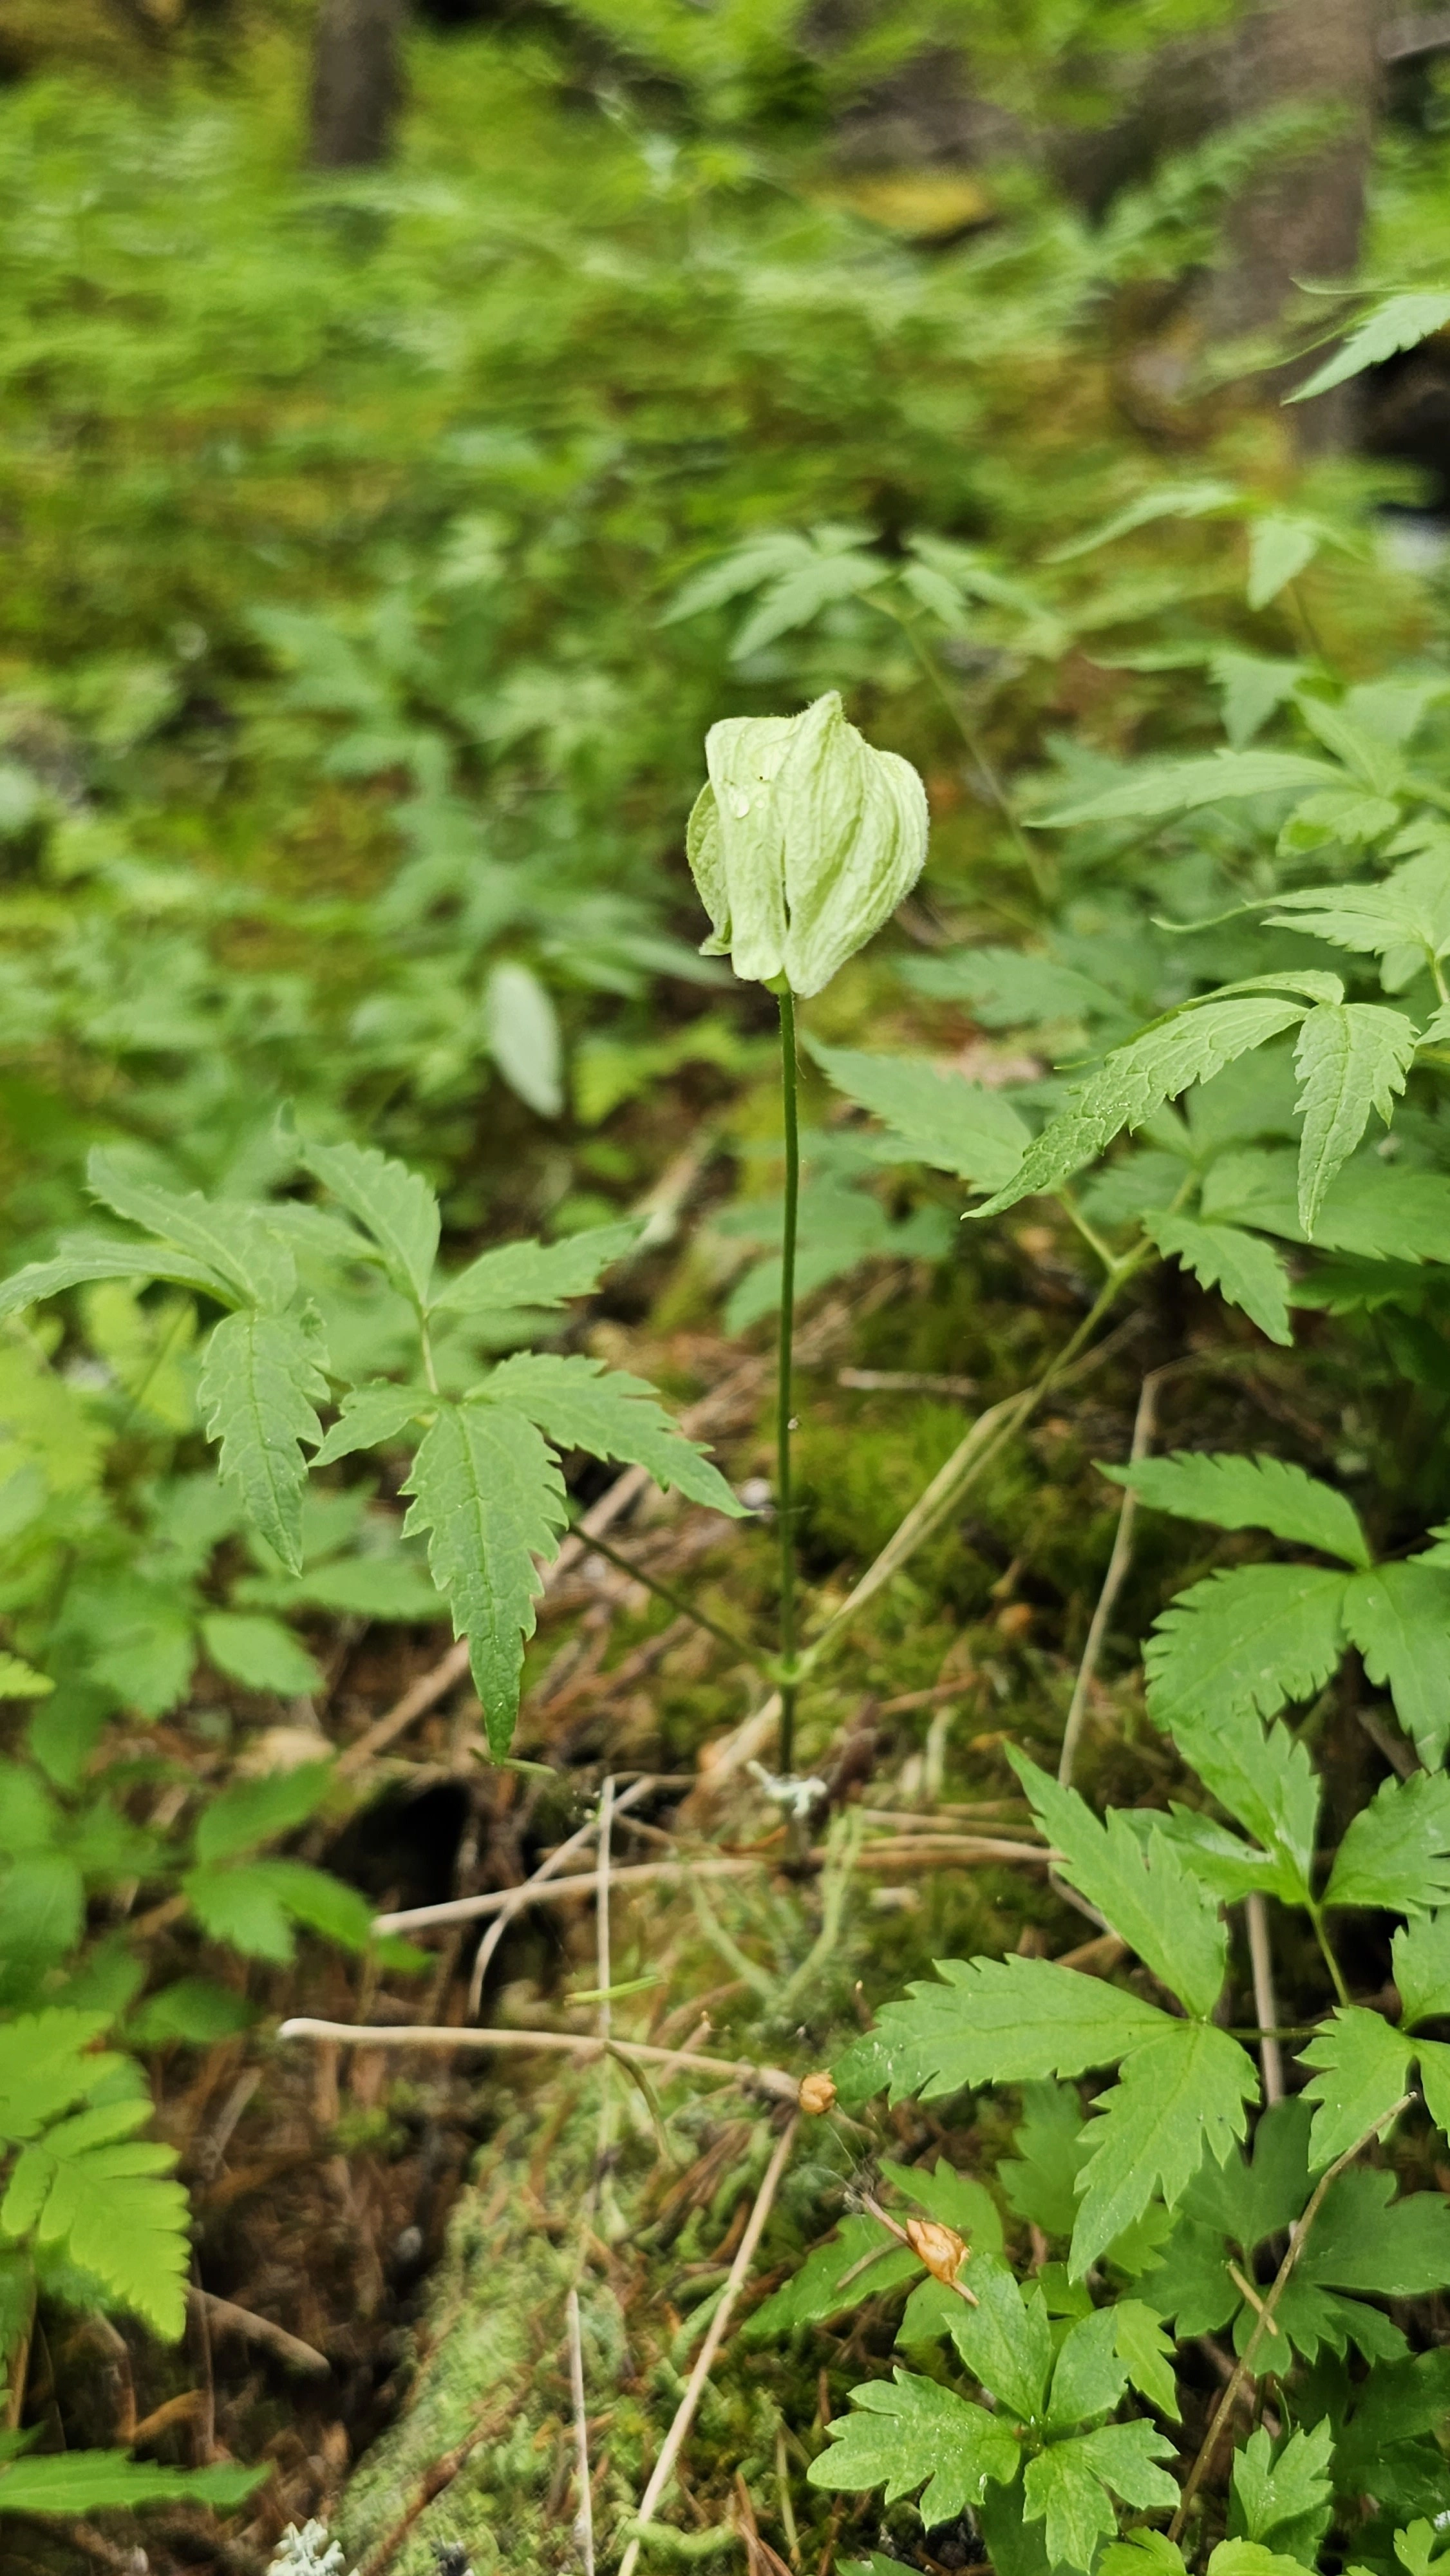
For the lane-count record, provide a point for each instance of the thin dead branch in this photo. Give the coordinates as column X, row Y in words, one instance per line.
column 586, row 2044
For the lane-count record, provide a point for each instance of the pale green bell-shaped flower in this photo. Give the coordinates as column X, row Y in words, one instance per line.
column 804, row 841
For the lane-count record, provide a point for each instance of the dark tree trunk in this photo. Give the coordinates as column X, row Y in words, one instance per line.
column 357, row 81
column 1304, row 220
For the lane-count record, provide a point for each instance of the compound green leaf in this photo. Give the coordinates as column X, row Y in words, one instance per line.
column 1245, row 1640
column 1090, row 2373
column 1040, row 2181
column 524, row 1038
column 1351, row 1057
column 582, row 1404
column 1365, row 2239
column 1169, row 1917
column 49, row 2061
column 955, row 1125
column 1008, row 987
column 537, row 1274
column 1406, row 911
column 1142, row 2553
column 100, row 1260
column 1180, row 2098
column 1361, row 2065
column 1170, row 501
column 1249, row 1493
column 101, row 2194
column 1005, row 2340
column 1266, row 1780
column 78, row 2482
column 252, row 1812
column 1421, row 1951
column 1180, row 786
column 859, row 2261
column 1246, row 1271
column 490, row 1495
column 1062, row 2488
column 1399, row 1617
column 373, row 1417
column 259, row 1653
column 42, row 1908
column 1147, row 2355
column 1068, row 2484
column 1396, row 322
column 994, row 2021
column 1136, row 1079
column 260, row 1387
column 397, row 1207
column 1284, row 2501
column 1280, row 546
column 1396, row 1852
column 19, row 1680
column 231, row 1241
column 913, row 2433
column 253, row 1905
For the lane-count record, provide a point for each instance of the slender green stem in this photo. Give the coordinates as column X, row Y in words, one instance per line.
column 784, row 1498
column 426, row 1345
column 666, row 1592
column 1090, row 1235
column 993, row 784
column 1316, row 1917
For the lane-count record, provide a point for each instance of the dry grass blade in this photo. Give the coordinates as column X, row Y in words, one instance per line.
column 675, row 2439
column 518, row 1899
column 584, row 2518
column 1113, row 1581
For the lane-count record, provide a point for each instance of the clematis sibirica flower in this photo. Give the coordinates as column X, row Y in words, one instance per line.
column 802, row 843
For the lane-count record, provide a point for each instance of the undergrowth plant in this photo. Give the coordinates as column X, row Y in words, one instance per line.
column 440, row 658
column 1168, row 2231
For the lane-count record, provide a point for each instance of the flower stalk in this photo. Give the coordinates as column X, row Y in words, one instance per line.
column 784, row 1491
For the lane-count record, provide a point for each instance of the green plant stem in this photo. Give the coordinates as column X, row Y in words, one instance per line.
column 1316, row 1917
column 666, row 1592
column 993, row 784
column 425, row 1340
column 1298, row 2237
column 784, row 1497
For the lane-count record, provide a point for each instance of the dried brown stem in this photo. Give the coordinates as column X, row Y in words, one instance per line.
column 1121, row 1558
column 1298, row 2237
column 586, row 2044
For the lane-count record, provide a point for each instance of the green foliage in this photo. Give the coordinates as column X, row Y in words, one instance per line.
column 487, row 1487
column 358, row 645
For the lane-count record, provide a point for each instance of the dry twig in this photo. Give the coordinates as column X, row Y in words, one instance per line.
column 1264, row 2324
column 224, row 2318
column 739, row 2070
column 1261, row 1957
column 518, row 1899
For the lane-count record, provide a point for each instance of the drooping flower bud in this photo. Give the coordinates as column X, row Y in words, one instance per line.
column 939, row 2247
column 803, row 842
column 817, row 2094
